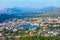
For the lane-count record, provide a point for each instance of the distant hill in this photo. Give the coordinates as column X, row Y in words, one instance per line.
column 57, row 11
column 27, row 10
column 10, row 13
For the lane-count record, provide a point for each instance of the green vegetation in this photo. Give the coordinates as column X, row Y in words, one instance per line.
column 38, row 38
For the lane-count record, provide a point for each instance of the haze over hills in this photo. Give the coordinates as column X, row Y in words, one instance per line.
column 57, row 11
column 26, row 10
column 10, row 13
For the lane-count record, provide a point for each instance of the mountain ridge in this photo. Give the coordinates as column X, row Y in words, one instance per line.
column 20, row 13
column 27, row 10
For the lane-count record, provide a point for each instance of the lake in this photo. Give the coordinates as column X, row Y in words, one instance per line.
column 30, row 26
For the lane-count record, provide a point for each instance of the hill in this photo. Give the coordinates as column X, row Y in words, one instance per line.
column 10, row 13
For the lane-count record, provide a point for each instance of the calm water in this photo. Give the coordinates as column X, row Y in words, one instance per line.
column 30, row 26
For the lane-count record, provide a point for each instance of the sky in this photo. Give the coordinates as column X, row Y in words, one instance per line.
column 29, row 3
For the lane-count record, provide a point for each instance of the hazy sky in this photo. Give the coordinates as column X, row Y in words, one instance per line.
column 29, row 3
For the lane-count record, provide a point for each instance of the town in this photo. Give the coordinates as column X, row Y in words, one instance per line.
column 18, row 28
